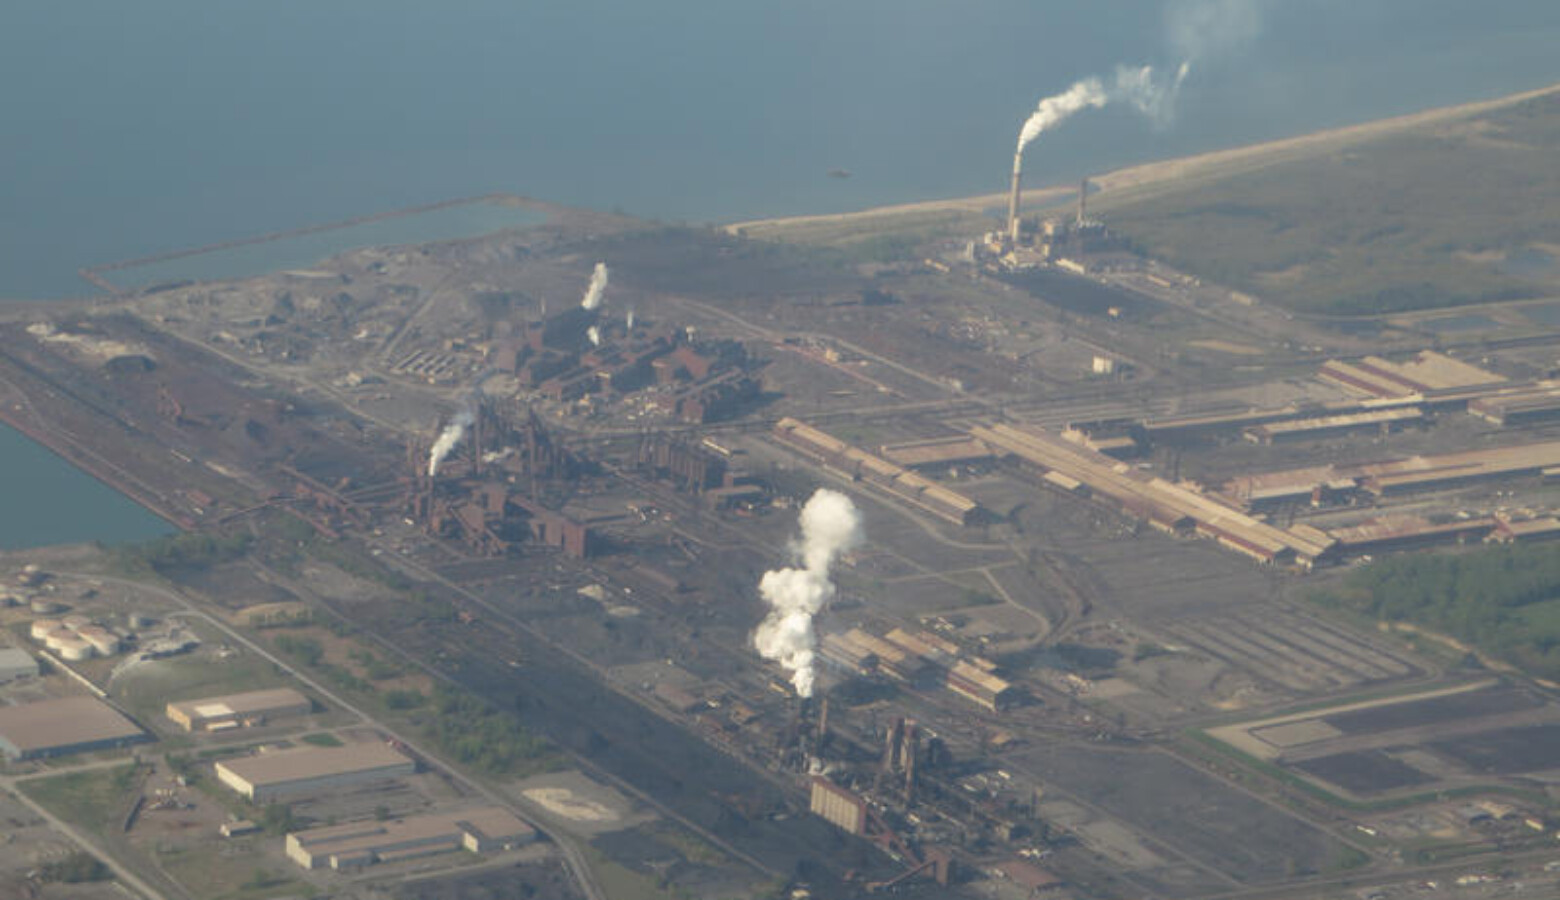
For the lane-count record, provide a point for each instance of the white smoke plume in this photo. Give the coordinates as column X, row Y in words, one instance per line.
column 1203, row 30
column 1149, row 94
column 830, row 526
column 1196, row 31
column 598, row 284
column 1140, row 86
column 629, row 323
column 594, row 334
column 450, row 436
column 1054, row 110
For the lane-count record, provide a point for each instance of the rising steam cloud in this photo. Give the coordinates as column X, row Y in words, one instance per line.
column 598, row 284
column 1196, row 31
column 594, row 333
column 1141, row 86
column 830, row 526
column 450, row 437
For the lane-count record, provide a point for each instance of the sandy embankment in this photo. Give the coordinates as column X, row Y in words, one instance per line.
column 1146, row 176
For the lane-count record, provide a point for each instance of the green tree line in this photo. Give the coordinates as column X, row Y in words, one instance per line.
column 1503, row 600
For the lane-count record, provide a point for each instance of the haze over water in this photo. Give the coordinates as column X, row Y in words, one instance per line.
column 137, row 128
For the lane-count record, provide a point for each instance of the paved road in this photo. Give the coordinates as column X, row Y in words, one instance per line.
column 572, row 856
column 120, row 871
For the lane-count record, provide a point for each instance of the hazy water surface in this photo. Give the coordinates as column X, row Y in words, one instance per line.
column 129, row 129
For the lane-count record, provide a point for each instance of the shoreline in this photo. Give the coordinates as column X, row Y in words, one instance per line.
column 1145, row 176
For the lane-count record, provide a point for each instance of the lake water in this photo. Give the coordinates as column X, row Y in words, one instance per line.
column 131, row 129
column 49, row 501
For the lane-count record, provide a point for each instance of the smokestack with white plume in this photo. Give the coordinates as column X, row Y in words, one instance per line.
column 1053, row 110
column 598, row 284
column 594, row 333
column 830, row 525
column 450, row 437
column 629, row 323
column 1140, row 86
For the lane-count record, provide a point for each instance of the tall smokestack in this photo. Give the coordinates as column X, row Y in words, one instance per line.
column 1083, row 201
column 1018, row 175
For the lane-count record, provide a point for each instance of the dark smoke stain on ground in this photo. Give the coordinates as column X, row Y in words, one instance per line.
column 1082, row 296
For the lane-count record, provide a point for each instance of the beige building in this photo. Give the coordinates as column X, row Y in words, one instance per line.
column 235, row 710
column 65, row 725
column 365, row 843
column 305, row 770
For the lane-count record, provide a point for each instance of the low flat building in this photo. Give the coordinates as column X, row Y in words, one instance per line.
column 362, row 844
column 1397, row 532
column 937, row 453
column 233, row 710
column 306, row 770
column 862, row 466
column 1539, row 403
column 979, row 686
column 1380, row 420
column 63, row 726
column 16, row 663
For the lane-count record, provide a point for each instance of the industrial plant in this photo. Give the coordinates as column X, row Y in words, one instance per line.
column 957, row 559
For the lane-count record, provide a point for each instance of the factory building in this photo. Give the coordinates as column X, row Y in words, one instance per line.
column 891, row 660
column 1511, row 531
column 980, row 686
column 1397, row 476
column 361, row 844
column 893, row 478
column 16, row 663
column 306, row 770
column 1399, row 532
column 64, row 726
column 1176, row 508
column 1541, row 403
column 937, row 453
column 236, row 710
column 1428, row 373
column 1382, row 421
column 840, row 650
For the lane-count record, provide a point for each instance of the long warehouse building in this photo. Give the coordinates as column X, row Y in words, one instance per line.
column 307, row 770
column 860, row 465
column 1397, row 476
column 1171, row 507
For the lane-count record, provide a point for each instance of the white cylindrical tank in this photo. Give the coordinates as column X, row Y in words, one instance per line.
column 73, row 649
column 102, row 640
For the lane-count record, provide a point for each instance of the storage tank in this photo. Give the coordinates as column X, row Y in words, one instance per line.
column 72, row 648
column 42, row 628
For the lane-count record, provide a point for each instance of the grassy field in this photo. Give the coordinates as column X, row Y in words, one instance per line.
column 147, row 688
column 97, row 800
column 1431, row 216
